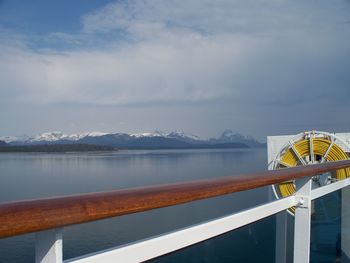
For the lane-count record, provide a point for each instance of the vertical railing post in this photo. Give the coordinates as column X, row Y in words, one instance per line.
column 48, row 246
column 302, row 223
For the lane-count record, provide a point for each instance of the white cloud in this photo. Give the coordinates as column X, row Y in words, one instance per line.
column 195, row 68
column 221, row 16
column 179, row 51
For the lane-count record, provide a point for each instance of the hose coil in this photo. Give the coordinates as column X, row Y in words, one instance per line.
column 312, row 147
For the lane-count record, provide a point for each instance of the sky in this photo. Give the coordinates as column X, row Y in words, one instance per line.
column 256, row 67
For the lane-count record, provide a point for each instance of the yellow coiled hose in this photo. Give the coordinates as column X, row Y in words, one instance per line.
column 320, row 147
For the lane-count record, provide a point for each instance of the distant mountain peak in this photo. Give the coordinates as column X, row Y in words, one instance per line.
column 176, row 138
column 148, row 134
column 9, row 139
column 182, row 135
column 230, row 136
column 228, row 133
column 176, row 134
column 78, row 136
column 50, row 136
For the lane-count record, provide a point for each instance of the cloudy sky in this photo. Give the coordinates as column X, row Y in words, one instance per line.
column 256, row 67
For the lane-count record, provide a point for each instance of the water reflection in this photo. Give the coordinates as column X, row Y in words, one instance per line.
column 26, row 176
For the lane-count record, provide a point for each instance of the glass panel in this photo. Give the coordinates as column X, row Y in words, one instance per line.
column 18, row 249
column 326, row 221
column 251, row 243
column 344, row 245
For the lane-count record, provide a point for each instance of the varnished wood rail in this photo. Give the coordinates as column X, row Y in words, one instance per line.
column 35, row 215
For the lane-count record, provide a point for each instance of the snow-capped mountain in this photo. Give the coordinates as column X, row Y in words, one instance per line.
column 183, row 136
column 149, row 134
column 56, row 136
column 50, row 137
column 9, row 139
column 150, row 140
column 228, row 136
column 174, row 134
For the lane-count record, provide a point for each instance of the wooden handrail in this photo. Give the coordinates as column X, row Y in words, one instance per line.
column 35, row 215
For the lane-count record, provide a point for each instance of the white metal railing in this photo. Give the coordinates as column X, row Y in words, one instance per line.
column 49, row 243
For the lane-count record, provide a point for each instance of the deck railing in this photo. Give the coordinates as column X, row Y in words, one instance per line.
column 48, row 216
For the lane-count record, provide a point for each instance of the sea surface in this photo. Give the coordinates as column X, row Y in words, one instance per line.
column 32, row 176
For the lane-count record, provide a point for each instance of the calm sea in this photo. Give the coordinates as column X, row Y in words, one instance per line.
column 29, row 176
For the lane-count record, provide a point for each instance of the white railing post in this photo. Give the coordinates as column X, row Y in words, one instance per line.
column 48, row 246
column 302, row 223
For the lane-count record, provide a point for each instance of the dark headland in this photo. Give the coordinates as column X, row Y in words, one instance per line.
column 55, row 148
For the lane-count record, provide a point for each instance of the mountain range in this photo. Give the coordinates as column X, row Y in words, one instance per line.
column 155, row 140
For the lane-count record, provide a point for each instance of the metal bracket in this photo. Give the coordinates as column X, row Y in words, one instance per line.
column 302, row 201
